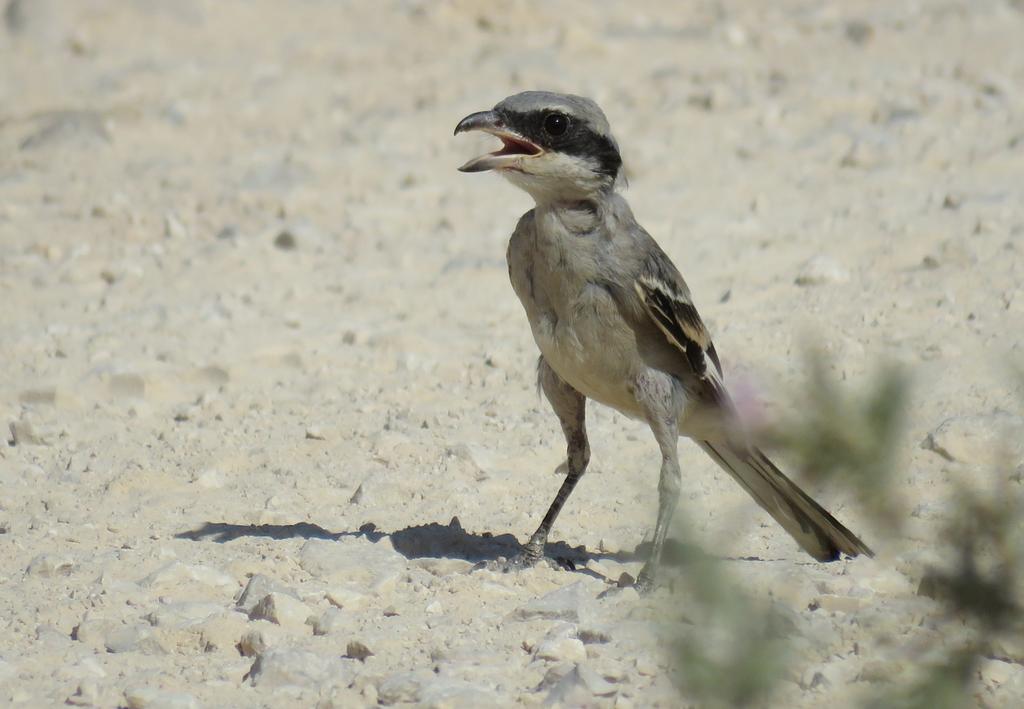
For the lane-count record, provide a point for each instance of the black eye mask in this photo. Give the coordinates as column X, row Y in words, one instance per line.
column 578, row 139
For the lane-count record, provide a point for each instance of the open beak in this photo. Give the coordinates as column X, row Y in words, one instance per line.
column 514, row 146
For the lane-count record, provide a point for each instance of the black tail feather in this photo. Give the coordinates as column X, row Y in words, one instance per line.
column 819, row 533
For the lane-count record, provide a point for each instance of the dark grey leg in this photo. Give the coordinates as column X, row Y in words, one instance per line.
column 570, row 407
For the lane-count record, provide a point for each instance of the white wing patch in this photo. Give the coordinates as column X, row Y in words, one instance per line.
column 677, row 318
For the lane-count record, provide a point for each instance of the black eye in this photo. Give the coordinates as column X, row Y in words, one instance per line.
column 556, row 124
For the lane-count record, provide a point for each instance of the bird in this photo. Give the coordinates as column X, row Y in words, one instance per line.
column 615, row 321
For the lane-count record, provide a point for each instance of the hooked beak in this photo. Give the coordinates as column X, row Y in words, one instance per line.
column 514, row 148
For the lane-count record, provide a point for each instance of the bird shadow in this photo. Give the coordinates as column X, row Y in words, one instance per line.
column 443, row 541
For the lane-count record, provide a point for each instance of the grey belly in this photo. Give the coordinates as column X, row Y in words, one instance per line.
column 591, row 354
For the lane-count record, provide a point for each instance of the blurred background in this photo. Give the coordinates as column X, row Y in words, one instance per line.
column 242, row 284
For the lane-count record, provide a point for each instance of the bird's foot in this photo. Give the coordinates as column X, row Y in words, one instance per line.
column 644, row 583
column 519, row 562
column 531, row 555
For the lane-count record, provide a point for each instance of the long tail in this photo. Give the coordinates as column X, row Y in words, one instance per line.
column 815, row 530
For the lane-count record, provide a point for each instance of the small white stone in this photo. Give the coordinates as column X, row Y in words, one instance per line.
column 278, row 667
column 561, row 650
column 176, row 573
column 347, row 598
column 27, row 432
column 182, row 614
column 209, row 479
column 332, row 622
column 444, row 567
column 254, row 642
column 561, row 604
column 282, row 609
column 86, row 668
column 737, row 35
column 92, row 630
column 447, row 692
column 133, row 638
column 983, row 439
column 212, row 576
column 50, row 565
column 1009, row 646
column 402, row 687
column 996, row 671
column 173, row 228
column 578, row 687
column 256, row 589
column 821, row 270
column 222, row 632
column 645, row 666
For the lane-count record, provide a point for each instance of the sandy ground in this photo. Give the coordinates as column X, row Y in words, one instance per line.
column 257, row 334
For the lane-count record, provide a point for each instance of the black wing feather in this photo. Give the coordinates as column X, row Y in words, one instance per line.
column 669, row 305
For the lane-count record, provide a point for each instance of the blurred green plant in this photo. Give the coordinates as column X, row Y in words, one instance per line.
column 943, row 685
column 855, row 440
column 852, row 439
column 985, row 581
column 981, row 588
column 738, row 652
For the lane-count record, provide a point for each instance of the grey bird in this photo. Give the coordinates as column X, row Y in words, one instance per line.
column 614, row 320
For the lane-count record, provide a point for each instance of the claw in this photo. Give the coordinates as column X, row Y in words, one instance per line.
column 644, row 583
column 519, row 562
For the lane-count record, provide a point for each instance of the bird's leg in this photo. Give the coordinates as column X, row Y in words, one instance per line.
column 669, row 483
column 570, row 406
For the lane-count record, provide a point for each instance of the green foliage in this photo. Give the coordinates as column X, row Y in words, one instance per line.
column 943, row 686
column 985, row 583
column 738, row 652
column 852, row 439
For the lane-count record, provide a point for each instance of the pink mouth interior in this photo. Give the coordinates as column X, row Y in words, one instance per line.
column 514, row 146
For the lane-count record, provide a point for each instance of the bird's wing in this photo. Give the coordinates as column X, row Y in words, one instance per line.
column 667, row 302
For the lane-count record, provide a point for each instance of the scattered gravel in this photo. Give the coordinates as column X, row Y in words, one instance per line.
column 268, row 400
